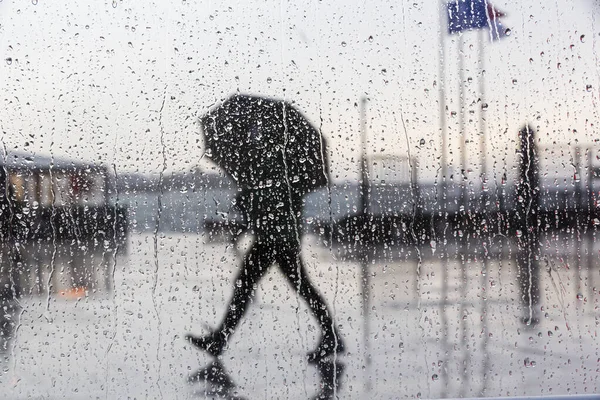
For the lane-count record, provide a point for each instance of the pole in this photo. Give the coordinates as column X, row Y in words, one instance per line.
column 364, row 180
column 482, row 123
column 462, row 214
column 578, row 220
column 461, row 120
column 591, row 226
column 364, row 211
column 484, row 213
column 444, row 192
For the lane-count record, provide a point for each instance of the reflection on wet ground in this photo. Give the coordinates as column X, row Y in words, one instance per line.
column 63, row 268
column 454, row 329
column 44, row 270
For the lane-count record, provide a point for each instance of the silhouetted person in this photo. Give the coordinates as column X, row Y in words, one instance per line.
column 5, row 292
column 527, row 223
column 4, row 204
column 296, row 165
column 9, row 283
column 8, row 238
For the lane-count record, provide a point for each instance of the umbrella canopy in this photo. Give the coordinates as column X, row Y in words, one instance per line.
column 262, row 142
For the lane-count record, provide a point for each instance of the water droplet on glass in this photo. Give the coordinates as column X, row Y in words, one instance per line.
column 588, row 88
column 434, row 377
column 34, row 2
column 343, row 44
column 582, row 38
column 422, row 142
column 371, row 39
column 579, row 296
column 507, row 32
column 514, row 81
column 114, row 4
column 269, row 80
column 484, row 106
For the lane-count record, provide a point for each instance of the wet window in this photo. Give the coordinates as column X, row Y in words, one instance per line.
column 320, row 200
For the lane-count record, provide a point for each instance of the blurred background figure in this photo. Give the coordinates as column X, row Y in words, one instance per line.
column 527, row 221
column 8, row 239
column 9, row 261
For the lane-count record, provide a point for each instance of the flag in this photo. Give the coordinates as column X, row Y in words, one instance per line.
column 496, row 29
column 466, row 15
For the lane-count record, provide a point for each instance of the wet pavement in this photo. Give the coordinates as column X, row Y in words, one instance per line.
column 423, row 341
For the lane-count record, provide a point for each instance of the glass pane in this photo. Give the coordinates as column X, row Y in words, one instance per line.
column 299, row 200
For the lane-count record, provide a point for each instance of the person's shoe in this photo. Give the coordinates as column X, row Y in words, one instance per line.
column 212, row 343
column 330, row 344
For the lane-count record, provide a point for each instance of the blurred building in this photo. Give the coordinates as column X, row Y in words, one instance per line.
column 49, row 198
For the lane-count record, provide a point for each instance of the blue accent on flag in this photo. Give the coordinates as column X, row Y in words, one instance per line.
column 467, row 15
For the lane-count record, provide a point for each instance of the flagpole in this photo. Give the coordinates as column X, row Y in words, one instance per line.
column 364, row 267
column 462, row 214
column 444, row 189
column 482, row 124
column 461, row 119
column 484, row 200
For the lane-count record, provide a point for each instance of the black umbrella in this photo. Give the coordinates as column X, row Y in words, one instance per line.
column 262, row 142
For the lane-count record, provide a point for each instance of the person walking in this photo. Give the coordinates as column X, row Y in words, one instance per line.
column 272, row 188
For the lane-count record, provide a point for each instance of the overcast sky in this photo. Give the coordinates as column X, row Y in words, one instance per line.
column 87, row 79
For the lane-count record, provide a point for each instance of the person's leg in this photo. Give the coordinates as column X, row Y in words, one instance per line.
column 295, row 272
column 255, row 264
column 288, row 258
